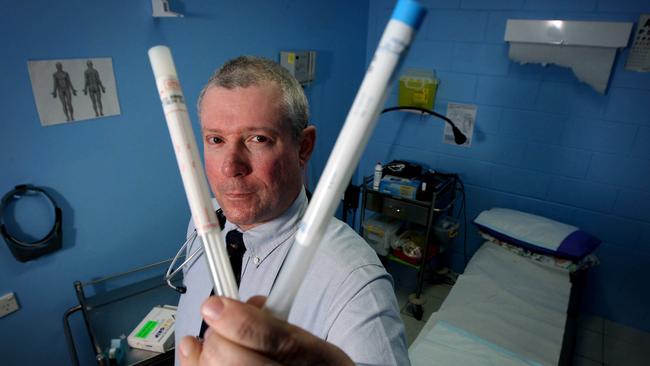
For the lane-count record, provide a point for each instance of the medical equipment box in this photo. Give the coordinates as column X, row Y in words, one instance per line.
column 300, row 64
column 417, row 88
column 380, row 232
column 156, row 331
column 402, row 187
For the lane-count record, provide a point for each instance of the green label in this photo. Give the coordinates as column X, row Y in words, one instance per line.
column 146, row 329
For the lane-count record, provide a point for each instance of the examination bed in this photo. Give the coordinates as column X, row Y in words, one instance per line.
column 510, row 307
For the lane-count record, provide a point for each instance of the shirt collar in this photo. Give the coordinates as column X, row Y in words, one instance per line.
column 263, row 239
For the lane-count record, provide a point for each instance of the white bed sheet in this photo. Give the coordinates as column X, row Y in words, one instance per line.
column 505, row 300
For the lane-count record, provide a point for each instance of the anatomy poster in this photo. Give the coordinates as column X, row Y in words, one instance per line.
column 70, row 90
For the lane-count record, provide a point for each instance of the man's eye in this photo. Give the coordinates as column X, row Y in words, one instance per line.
column 260, row 138
column 213, row 140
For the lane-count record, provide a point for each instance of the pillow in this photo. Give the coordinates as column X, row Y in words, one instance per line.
column 536, row 233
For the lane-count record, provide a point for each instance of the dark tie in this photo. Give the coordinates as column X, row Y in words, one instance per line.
column 236, row 249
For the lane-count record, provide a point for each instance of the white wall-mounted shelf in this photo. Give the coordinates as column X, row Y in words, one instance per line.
column 588, row 48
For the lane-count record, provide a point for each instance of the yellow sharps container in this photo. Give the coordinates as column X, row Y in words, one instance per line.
column 417, row 88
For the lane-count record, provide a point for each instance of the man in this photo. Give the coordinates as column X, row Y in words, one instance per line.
column 63, row 87
column 257, row 142
column 93, row 85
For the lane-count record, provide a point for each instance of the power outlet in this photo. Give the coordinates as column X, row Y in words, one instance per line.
column 8, row 304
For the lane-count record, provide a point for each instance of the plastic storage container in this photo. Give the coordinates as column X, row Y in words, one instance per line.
column 446, row 229
column 380, row 232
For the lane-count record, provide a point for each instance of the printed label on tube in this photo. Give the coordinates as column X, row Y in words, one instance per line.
column 175, row 109
column 171, row 95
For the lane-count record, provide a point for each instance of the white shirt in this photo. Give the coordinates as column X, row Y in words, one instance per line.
column 346, row 298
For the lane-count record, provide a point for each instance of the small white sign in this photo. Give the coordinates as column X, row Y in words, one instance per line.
column 639, row 57
column 463, row 116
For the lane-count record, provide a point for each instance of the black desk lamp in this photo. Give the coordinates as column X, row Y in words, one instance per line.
column 459, row 137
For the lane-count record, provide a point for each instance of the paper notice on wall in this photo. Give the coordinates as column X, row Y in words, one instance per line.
column 639, row 56
column 463, row 116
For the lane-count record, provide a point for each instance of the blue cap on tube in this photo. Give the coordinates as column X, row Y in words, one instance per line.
column 409, row 12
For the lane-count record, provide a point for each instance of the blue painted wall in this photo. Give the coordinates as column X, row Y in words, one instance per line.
column 116, row 177
column 543, row 142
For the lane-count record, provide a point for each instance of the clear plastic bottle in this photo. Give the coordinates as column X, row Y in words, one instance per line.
column 377, row 178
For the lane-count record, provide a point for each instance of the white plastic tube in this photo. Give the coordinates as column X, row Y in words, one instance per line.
column 345, row 156
column 189, row 164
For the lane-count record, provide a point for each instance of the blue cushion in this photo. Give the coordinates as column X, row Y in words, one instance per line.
column 537, row 233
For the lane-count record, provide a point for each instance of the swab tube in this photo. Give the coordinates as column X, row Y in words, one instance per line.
column 191, row 169
column 352, row 140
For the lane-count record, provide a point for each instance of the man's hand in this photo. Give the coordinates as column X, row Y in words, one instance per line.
column 244, row 334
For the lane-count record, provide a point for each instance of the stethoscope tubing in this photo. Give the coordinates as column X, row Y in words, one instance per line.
column 171, row 272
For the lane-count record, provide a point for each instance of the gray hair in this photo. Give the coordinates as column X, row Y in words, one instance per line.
column 245, row 71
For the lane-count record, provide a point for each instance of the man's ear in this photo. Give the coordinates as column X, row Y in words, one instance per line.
column 307, row 143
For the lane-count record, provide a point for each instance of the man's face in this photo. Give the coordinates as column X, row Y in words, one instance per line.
column 252, row 162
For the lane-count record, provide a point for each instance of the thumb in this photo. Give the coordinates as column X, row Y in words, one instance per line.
column 257, row 301
column 189, row 351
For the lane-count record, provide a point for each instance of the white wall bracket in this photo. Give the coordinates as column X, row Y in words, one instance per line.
column 588, row 48
column 161, row 9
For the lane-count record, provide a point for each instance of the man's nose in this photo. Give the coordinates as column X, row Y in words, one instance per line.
column 236, row 162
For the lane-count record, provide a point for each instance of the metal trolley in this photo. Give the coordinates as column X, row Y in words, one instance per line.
column 423, row 213
column 109, row 314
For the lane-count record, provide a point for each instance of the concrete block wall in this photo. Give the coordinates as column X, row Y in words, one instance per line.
column 544, row 142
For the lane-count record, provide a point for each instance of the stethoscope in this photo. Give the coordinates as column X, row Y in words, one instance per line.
column 171, row 272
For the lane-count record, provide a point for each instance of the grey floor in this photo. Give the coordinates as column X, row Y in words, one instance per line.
column 434, row 296
column 602, row 342
column 599, row 341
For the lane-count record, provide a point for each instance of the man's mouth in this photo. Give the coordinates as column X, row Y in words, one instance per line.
column 238, row 195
